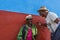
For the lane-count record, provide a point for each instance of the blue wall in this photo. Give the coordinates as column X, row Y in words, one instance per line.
column 30, row 6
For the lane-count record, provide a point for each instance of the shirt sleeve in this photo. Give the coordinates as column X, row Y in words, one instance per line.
column 36, row 31
column 53, row 16
column 19, row 37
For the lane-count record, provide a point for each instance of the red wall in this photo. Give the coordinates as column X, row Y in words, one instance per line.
column 11, row 22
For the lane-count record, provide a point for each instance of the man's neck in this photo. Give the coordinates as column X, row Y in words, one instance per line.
column 29, row 25
column 46, row 15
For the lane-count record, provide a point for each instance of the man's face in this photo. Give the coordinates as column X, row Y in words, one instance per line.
column 29, row 21
column 43, row 13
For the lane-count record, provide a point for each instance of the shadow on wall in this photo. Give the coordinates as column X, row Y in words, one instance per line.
column 11, row 22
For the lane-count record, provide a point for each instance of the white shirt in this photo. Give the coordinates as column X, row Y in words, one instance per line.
column 51, row 17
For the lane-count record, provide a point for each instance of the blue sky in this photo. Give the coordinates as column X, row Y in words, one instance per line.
column 30, row 6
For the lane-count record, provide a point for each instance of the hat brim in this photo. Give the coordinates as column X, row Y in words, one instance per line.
column 41, row 10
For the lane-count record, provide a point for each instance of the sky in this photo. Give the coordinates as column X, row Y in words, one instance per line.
column 30, row 6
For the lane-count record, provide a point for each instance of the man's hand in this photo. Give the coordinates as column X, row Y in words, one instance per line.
column 57, row 20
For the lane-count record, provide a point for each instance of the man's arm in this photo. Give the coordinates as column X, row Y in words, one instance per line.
column 54, row 18
column 57, row 20
column 19, row 37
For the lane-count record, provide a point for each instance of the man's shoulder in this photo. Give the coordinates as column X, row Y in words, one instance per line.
column 23, row 26
column 33, row 25
column 52, row 13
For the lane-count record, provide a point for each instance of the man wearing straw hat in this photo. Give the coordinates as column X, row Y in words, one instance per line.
column 28, row 31
column 52, row 22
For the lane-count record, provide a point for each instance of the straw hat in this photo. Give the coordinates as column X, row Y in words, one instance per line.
column 43, row 8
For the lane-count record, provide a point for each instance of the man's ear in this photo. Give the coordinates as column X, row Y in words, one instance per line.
column 57, row 20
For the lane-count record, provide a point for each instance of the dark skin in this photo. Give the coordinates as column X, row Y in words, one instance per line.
column 57, row 20
column 29, row 22
column 44, row 14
